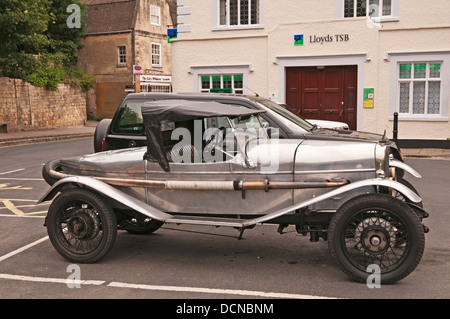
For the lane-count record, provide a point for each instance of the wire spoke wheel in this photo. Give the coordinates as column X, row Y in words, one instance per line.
column 81, row 226
column 376, row 230
column 375, row 237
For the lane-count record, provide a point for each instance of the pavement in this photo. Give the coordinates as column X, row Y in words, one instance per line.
column 49, row 135
column 87, row 131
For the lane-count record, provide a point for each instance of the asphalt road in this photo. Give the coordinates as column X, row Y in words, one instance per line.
column 183, row 263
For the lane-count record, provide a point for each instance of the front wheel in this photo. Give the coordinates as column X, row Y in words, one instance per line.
column 376, row 230
column 81, row 225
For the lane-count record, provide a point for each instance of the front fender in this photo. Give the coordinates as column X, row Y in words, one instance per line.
column 108, row 191
column 408, row 193
column 405, row 167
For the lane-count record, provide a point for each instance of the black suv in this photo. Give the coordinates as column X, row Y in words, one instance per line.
column 126, row 129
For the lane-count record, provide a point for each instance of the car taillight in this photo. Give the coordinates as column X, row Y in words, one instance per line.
column 103, row 145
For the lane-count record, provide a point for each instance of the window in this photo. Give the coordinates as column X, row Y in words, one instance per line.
column 378, row 10
column 237, row 13
column 130, row 120
column 219, row 83
column 161, row 88
column 419, row 87
column 122, row 56
column 156, row 54
column 155, row 15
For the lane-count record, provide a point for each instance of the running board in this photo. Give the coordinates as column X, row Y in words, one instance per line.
column 207, row 221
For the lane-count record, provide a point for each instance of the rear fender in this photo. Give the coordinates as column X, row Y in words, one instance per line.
column 107, row 191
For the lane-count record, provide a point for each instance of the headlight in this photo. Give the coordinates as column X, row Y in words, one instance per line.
column 382, row 160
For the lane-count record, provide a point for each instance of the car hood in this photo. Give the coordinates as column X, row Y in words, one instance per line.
column 329, row 124
column 345, row 135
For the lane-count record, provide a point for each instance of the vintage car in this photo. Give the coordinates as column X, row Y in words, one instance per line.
column 126, row 128
column 210, row 164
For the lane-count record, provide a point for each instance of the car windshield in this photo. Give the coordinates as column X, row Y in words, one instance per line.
column 293, row 122
column 130, row 119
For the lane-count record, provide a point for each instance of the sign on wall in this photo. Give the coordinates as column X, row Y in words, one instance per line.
column 368, row 98
column 171, row 34
column 137, row 69
column 299, row 39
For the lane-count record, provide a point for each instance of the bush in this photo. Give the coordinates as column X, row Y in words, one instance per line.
column 48, row 77
column 37, row 46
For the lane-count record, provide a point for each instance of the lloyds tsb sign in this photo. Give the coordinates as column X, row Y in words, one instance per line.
column 329, row 38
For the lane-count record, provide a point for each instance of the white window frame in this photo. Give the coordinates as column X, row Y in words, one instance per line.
column 156, row 54
column 199, row 71
column 156, row 87
column 121, row 54
column 155, row 14
column 395, row 60
column 216, row 17
column 202, row 90
column 394, row 16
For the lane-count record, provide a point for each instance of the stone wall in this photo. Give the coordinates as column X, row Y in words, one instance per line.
column 26, row 107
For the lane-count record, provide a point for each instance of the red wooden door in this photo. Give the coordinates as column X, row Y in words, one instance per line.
column 325, row 93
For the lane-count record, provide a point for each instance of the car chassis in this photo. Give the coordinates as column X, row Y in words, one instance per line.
column 345, row 192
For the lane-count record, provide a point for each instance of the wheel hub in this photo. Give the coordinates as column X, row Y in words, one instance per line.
column 375, row 235
column 84, row 224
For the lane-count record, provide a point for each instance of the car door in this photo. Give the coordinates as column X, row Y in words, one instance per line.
column 231, row 168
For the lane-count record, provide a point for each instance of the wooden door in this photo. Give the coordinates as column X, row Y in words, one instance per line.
column 325, row 93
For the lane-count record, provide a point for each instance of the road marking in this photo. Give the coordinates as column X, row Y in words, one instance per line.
column 7, row 187
column 52, row 280
column 249, row 293
column 19, row 200
column 217, row 291
column 17, row 251
column 15, row 209
column 10, row 206
column 9, row 172
column 20, row 179
column 21, row 216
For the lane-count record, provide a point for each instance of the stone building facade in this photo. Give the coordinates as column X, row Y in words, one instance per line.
column 27, row 107
column 119, row 35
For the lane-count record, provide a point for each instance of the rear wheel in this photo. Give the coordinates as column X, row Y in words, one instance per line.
column 81, row 225
column 100, row 134
column 376, row 230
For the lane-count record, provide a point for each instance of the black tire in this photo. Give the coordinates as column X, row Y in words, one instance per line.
column 376, row 229
column 81, row 225
column 100, row 133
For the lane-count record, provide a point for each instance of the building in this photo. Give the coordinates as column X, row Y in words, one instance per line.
column 119, row 35
column 357, row 61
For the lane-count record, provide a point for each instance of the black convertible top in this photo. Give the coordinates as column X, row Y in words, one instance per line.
column 156, row 112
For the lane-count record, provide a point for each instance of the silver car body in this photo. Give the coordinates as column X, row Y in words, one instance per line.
column 209, row 188
column 344, row 191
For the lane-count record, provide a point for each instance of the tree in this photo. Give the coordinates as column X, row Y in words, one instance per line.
column 23, row 24
column 64, row 37
column 37, row 43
